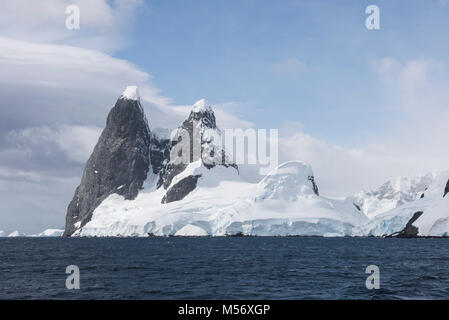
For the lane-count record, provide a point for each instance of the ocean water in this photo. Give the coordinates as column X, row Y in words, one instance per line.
column 224, row 268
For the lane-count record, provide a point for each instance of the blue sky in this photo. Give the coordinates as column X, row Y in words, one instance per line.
column 228, row 51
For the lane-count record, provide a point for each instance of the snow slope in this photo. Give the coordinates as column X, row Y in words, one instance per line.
column 190, row 230
column 224, row 204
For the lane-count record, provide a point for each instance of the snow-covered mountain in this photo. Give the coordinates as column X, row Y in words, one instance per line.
column 196, row 151
column 141, row 182
column 49, row 233
column 16, row 234
column 392, row 194
column 432, row 206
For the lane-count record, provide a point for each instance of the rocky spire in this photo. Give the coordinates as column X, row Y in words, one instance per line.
column 196, row 131
column 119, row 163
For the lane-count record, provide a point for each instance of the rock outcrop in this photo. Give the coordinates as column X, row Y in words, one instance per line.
column 159, row 152
column 181, row 189
column 119, row 163
column 409, row 231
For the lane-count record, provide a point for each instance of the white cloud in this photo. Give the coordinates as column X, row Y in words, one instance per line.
column 76, row 141
column 104, row 24
column 418, row 86
column 344, row 171
column 58, row 84
column 43, row 84
column 415, row 144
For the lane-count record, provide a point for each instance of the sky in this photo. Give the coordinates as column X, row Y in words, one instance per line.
column 361, row 106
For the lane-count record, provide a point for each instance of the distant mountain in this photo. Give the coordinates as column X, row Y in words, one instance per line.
column 16, row 234
column 432, row 206
column 50, row 233
column 392, row 194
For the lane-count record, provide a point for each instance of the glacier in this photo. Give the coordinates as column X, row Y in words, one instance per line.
column 283, row 203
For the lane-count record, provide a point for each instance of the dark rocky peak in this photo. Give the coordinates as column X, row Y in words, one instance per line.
column 202, row 111
column 119, row 163
column 193, row 135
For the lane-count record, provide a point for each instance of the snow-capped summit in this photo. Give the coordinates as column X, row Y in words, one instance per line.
column 2, row 233
column 288, row 182
column 202, row 117
column 202, row 105
column 131, row 93
column 196, row 144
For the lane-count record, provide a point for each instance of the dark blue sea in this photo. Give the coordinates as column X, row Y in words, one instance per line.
column 224, row 268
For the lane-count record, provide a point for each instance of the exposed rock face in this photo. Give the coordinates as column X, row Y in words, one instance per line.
column 119, row 163
column 181, row 189
column 446, row 189
column 159, row 153
column 196, row 135
column 315, row 187
column 410, row 231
